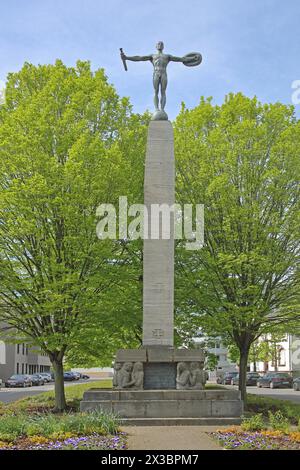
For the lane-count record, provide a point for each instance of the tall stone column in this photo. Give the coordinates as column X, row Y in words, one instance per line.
column 158, row 259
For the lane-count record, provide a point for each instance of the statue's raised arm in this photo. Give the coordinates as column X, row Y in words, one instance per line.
column 135, row 58
column 138, row 58
column 173, row 58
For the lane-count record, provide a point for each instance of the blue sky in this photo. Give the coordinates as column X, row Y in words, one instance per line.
column 249, row 46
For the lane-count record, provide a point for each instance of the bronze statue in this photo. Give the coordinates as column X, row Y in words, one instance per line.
column 160, row 80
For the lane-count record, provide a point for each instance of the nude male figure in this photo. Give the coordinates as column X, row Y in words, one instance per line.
column 160, row 61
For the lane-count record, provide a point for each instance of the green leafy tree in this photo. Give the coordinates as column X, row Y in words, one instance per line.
column 67, row 144
column 241, row 160
column 211, row 362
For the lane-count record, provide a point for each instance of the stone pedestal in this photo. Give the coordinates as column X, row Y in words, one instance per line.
column 158, row 256
column 167, row 407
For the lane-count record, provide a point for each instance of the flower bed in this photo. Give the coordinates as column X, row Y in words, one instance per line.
column 68, row 431
column 92, row 442
column 237, row 439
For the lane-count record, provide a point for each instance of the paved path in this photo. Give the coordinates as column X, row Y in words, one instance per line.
column 170, row 438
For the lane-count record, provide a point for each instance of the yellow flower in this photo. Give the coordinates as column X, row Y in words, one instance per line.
column 38, row 439
column 271, row 433
column 295, row 436
column 235, row 429
column 5, row 444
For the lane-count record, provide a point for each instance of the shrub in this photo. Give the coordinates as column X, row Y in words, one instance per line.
column 11, row 427
column 279, row 422
column 255, row 423
column 49, row 425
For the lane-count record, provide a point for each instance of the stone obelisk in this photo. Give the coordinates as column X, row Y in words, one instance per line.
column 158, row 384
column 158, row 255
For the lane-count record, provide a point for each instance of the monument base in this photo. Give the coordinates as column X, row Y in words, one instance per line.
column 158, row 367
column 167, row 407
column 158, row 395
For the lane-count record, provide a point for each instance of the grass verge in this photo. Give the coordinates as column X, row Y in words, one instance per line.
column 44, row 402
column 259, row 404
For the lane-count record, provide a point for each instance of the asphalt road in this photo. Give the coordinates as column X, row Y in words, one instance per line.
column 280, row 393
column 8, row 395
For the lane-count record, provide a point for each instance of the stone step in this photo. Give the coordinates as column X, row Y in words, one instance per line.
column 149, row 395
column 167, row 408
column 180, row 421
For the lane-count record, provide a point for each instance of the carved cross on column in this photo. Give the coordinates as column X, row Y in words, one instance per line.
column 157, row 333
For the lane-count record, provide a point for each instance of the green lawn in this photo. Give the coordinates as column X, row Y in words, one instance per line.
column 45, row 401
column 259, row 404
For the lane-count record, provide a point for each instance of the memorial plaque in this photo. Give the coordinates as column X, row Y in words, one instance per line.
column 159, row 376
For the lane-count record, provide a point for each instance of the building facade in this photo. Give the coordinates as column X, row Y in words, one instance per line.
column 287, row 358
column 21, row 359
column 216, row 347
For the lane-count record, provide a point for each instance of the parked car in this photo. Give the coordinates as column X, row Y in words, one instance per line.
column 226, row 380
column 46, row 376
column 1, row 383
column 77, row 375
column 19, row 380
column 251, row 379
column 275, row 380
column 84, row 376
column 296, row 384
column 37, row 379
column 69, row 376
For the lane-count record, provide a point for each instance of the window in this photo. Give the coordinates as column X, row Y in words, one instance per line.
column 282, row 357
column 23, row 349
column 2, row 352
column 18, row 349
column 22, row 368
column 18, row 367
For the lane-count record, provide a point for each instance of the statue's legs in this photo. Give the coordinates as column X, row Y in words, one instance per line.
column 163, row 87
column 156, row 81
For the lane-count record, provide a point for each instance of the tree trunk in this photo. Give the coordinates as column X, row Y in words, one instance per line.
column 275, row 358
column 60, row 399
column 244, row 352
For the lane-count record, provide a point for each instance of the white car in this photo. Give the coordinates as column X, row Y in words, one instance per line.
column 46, row 376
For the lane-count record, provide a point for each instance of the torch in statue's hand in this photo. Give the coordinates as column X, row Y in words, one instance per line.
column 123, row 58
